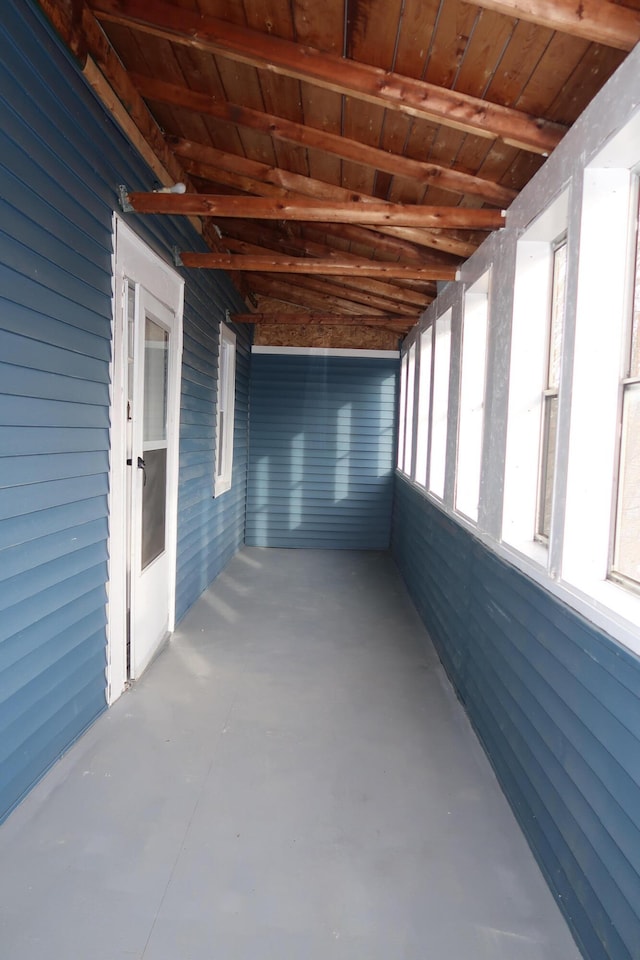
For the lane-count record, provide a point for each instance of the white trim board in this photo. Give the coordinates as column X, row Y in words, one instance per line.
column 328, row 352
column 144, row 266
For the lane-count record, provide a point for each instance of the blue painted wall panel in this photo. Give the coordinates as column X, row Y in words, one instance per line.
column 61, row 159
column 321, row 452
column 556, row 703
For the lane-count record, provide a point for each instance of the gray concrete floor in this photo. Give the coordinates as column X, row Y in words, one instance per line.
column 292, row 779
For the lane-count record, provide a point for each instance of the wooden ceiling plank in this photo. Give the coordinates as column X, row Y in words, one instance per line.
column 267, row 208
column 452, row 30
column 594, row 20
column 373, row 84
column 282, row 129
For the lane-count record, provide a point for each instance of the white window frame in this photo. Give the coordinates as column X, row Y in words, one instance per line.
column 630, row 383
column 225, row 411
column 471, row 404
column 402, row 410
column 407, row 459
column 421, row 470
column 440, row 404
column 527, row 377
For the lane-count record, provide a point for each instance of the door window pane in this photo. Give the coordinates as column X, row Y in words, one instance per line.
column 154, row 430
column 156, row 372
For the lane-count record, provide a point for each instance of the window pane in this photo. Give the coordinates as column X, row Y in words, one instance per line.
column 557, row 313
column 634, row 366
column 408, row 432
column 471, row 417
column 627, row 552
column 424, row 406
column 156, row 360
column 403, row 410
column 440, row 404
column 154, row 505
column 547, row 465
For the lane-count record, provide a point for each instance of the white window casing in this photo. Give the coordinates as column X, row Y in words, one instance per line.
column 225, row 411
column 472, row 394
column 440, row 404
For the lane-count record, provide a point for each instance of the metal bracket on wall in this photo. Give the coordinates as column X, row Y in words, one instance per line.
column 123, row 199
column 177, row 259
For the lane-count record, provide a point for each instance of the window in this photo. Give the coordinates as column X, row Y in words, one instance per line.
column 533, row 392
column 408, row 424
column 225, row 410
column 402, row 414
column 550, row 397
column 472, row 385
column 440, row 409
column 424, row 406
column 626, row 553
column 405, row 420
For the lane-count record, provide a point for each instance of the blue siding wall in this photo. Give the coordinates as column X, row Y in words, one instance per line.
column 321, row 452
column 61, row 159
column 557, row 705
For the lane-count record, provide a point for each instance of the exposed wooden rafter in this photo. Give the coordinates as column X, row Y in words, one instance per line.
column 325, row 319
column 597, row 20
column 265, row 208
column 260, row 179
column 104, row 71
column 400, row 292
column 286, row 130
column 329, row 71
column 315, row 266
column 316, row 293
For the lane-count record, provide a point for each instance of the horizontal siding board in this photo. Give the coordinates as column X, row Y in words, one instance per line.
column 81, row 696
column 39, row 634
column 62, row 157
column 33, row 497
column 591, row 842
column 321, row 452
column 23, row 556
column 42, row 329
column 34, row 441
column 49, row 359
column 38, row 469
column 557, row 705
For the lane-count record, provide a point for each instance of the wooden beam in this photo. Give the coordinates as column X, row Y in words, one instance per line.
column 331, row 72
column 325, row 319
column 290, row 132
column 265, row 208
column 597, row 20
column 297, row 247
column 104, row 71
column 261, row 179
column 328, row 319
column 315, row 266
column 320, row 294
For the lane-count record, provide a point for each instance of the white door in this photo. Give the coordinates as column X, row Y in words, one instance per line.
column 144, row 447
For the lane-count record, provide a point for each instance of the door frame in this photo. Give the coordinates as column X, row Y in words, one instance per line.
column 134, row 260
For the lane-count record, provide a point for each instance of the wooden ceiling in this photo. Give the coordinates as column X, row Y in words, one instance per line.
column 352, row 152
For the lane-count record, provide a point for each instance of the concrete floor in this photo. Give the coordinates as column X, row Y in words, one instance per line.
column 292, row 779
